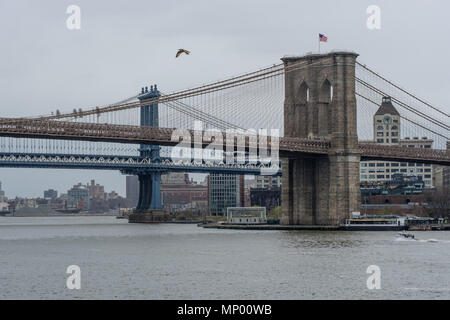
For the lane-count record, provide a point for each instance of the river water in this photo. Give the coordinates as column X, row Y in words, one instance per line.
column 175, row 261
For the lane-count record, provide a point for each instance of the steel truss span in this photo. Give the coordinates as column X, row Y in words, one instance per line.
column 127, row 164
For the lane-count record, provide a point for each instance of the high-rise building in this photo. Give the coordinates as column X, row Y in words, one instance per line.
column 268, row 181
column 175, row 178
column 96, row 191
column 50, row 194
column 441, row 174
column 387, row 130
column 78, row 197
column 225, row 190
column 2, row 194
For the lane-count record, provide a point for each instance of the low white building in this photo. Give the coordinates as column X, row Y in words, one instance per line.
column 4, row 207
column 246, row 215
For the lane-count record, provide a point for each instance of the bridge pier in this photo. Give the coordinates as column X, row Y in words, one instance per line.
column 320, row 103
column 149, row 207
column 145, row 192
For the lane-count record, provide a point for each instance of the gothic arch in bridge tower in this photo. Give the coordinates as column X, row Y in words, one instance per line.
column 324, row 112
column 326, row 92
column 302, row 99
column 320, row 102
column 303, row 93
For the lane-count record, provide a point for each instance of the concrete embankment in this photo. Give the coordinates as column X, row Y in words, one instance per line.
column 430, row 227
column 269, row 227
column 316, row 227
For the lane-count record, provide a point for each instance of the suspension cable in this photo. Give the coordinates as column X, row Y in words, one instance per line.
column 402, row 117
column 403, row 90
column 404, row 105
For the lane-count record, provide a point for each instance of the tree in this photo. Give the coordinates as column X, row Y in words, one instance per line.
column 275, row 213
column 438, row 202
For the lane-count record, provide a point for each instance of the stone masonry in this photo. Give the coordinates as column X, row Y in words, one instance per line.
column 319, row 103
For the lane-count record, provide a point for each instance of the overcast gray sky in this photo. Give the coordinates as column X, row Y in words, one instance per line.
column 124, row 45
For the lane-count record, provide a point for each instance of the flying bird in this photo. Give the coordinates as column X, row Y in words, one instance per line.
column 180, row 51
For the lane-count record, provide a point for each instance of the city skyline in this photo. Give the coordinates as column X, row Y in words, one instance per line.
column 229, row 156
column 66, row 185
column 59, row 191
column 78, row 70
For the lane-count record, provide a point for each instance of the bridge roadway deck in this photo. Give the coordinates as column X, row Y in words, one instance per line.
column 61, row 130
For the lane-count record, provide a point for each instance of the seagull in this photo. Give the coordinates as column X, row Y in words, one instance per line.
column 180, row 51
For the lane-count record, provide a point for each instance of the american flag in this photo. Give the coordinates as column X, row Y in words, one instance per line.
column 322, row 38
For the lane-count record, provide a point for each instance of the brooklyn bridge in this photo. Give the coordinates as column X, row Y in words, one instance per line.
column 321, row 104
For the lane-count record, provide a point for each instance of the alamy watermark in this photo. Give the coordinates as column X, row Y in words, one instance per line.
column 374, row 280
column 74, row 279
column 232, row 147
column 73, row 22
column 374, row 19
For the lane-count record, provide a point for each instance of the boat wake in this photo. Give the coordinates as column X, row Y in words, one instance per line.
column 421, row 240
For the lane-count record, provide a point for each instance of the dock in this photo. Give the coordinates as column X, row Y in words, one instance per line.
column 269, row 227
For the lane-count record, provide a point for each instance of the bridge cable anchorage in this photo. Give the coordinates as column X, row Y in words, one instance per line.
column 404, row 105
column 409, row 120
column 217, row 86
column 401, row 89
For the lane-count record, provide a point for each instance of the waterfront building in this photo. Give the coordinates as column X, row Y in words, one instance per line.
column 268, row 198
column 78, row 197
column 4, row 207
column 96, row 191
column 400, row 184
column 267, row 182
column 225, row 190
column 441, row 175
column 175, row 178
column 180, row 197
column 387, row 131
column 2, row 194
column 50, row 194
column 178, row 193
column 247, row 215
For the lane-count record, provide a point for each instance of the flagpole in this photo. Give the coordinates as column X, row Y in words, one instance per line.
column 319, row 43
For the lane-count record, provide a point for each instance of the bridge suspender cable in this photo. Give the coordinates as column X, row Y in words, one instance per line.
column 197, row 113
column 409, row 120
column 217, row 86
column 247, row 78
column 216, row 122
column 403, row 90
column 404, row 105
column 220, row 85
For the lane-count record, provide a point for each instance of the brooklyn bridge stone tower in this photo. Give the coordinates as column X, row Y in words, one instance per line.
column 320, row 103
